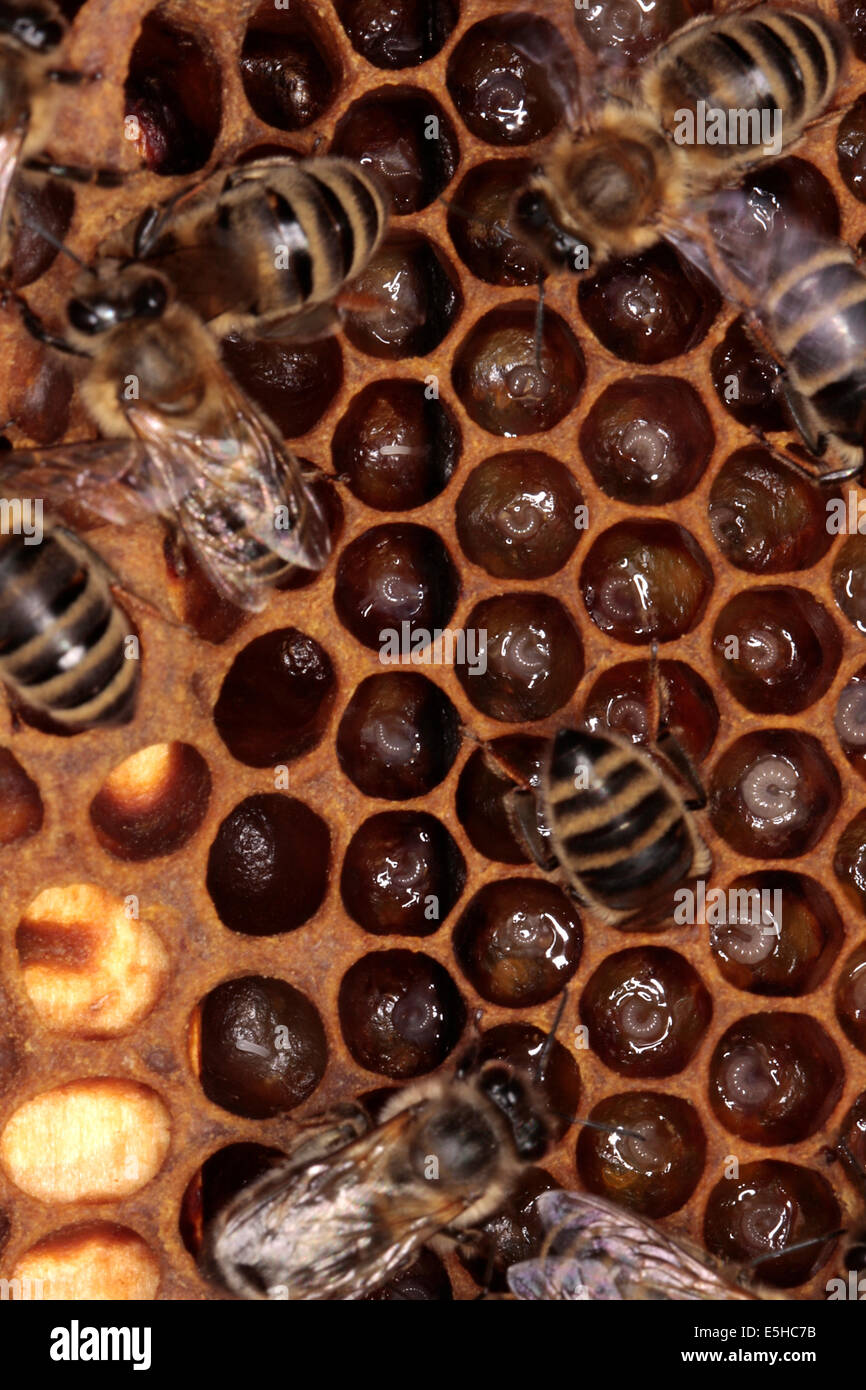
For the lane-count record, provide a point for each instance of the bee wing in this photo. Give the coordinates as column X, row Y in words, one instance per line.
column 107, row 477
column 597, row 1250
column 333, row 1228
column 235, row 492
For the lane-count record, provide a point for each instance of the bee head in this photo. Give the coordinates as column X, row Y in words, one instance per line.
column 522, row 1106
column 34, row 27
column 127, row 296
column 537, row 222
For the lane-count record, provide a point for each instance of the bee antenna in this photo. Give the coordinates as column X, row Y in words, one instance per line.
column 58, row 245
column 798, row 1245
column 544, row 1055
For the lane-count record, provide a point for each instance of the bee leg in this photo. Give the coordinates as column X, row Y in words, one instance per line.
column 665, row 741
column 134, row 599
column 521, row 810
column 36, row 328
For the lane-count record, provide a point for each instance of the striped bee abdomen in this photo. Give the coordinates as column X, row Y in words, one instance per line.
column 763, row 59
column 62, row 634
column 619, row 833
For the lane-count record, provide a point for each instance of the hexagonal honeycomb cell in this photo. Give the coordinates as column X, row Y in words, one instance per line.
column 296, row 878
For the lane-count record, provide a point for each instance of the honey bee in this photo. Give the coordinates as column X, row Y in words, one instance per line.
column 620, row 179
column 62, row 633
column 31, row 33
column 611, row 818
column 354, row 1202
column 267, row 245
column 596, row 1250
column 183, row 440
column 804, row 296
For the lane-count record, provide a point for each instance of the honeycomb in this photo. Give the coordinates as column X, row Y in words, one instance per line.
column 291, row 835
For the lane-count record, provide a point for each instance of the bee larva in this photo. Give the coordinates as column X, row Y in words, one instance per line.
column 620, row 180
column 612, row 820
column 62, row 633
column 267, row 245
column 354, row 1202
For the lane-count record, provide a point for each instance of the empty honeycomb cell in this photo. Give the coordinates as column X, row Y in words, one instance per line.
column 519, row 515
column 620, row 699
column 424, row 1281
column 401, row 1013
column 851, row 997
column 222, row 1175
column 516, row 1232
column 776, row 197
column 263, row 1046
column 292, row 382
column 288, row 65
column 479, row 216
column 776, row 649
column 647, row 440
column 628, row 30
column 769, row 1206
column 765, row 518
column 276, row 699
column 21, row 811
column 646, row 1010
column 525, row 1047
column 518, row 942
column 645, row 580
column 402, row 874
column 775, row 1077
column 648, row 308
column 848, row 580
column 96, row 1260
column 533, row 657
column 398, row 736
column 482, row 790
column 38, row 203
column 407, row 297
column 153, row 802
column 394, row 575
column 849, row 862
column 849, row 721
column 774, row 793
column 780, row 934
column 748, row 381
column 403, row 138
column 173, row 94
column 508, row 78
column 398, row 33
column 851, row 148
column 397, row 445
column 513, row 383
column 267, row 869
column 95, row 1140
column 89, row 966
column 649, row 1154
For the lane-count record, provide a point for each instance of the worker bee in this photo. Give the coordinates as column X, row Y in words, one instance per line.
column 594, row 1249
column 63, row 634
column 184, row 441
column 267, row 245
column 619, row 180
column 611, row 817
column 353, row 1202
column 31, row 33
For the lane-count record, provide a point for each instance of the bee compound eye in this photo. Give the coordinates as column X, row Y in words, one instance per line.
column 150, row 299
column 87, row 318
